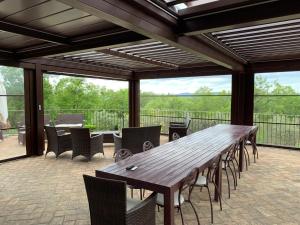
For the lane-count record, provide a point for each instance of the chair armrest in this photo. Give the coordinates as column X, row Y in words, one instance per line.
column 145, row 211
column 177, row 124
column 97, row 143
column 61, row 132
column 97, row 139
column 117, row 141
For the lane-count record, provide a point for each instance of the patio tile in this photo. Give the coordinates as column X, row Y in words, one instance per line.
column 49, row 191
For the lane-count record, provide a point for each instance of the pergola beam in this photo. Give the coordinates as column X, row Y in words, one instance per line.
column 138, row 59
column 115, row 37
column 131, row 17
column 31, row 32
column 257, row 14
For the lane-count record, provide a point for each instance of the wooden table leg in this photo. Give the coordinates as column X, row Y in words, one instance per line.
column 169, row 208
column 241, row 156
column 218, row 181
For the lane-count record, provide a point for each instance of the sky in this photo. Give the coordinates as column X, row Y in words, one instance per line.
column 191, row 84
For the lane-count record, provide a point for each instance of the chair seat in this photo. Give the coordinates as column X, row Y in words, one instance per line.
column 131, row 203
column 160, row 199
column 201, row 181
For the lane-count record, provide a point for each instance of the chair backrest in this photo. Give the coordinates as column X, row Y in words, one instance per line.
column 70, row 119
column 107, row 200
column 52, row 137
column 81, row 140
column 187, row 122
column 122, row 154
column 133, row 138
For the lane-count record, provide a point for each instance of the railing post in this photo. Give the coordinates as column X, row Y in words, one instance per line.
column 134, row 103
column 242, row 100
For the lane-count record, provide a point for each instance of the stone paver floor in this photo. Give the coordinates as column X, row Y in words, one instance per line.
column 49, row 191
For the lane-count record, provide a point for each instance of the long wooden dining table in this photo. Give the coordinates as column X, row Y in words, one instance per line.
column 162, row 168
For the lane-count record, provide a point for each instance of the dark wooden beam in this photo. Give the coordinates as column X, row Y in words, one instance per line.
column 216, row 6
column 127, row 15
column 34, row 116
column 138, row 59
column 204, row 70
column 107, row 38
column 75, row 68
column 277, row 66
column 6, row 55
column 31, row 32
column 242, row 99
column 271, row 12
column 134, row 103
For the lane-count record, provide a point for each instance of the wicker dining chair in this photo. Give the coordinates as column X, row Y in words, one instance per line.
column 230, row 162
column 58, row 141
column 124, row 154
column 109, row 205
column 187, row 184
column 134, row 138
column 251, row 140
column 203, row 182
column 84, row 144
column 179, row 129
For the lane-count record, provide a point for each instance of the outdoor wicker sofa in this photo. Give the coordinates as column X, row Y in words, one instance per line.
column 85, row 144
column 66, row 121
column 138, row 139
column 109, row 204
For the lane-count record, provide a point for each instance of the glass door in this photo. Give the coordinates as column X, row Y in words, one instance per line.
column 12, row 116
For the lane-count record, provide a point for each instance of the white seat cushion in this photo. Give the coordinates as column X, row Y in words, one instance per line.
column 160, row 199
column 131, row 203
column 201, row 181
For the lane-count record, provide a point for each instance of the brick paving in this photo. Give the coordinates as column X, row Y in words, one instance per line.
column 49, row 191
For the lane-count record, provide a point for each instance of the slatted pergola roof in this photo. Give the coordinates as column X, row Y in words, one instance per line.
column 149, row 36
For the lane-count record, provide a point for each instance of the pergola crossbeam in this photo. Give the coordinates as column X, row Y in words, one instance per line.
column 138, row 59
column 31, row 32
column 133, row 18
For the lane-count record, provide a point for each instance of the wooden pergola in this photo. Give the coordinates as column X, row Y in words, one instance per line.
column 147, row 39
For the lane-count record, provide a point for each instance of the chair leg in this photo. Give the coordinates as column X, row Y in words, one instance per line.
column 247, row 153
column 131, row 193
column 211, row 206
column 234, row 169
column 141, row 194
column 181, row 215
column 237, row 164
column 233, row 176
column 228, row 182
column 219, row 195
column 197, row 217
column 246, row 161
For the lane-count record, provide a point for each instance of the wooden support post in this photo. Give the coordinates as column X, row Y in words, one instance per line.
column 34, row 113
column 242, row 98
column 134, row 103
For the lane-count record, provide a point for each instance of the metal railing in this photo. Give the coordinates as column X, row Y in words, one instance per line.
column 274, row 129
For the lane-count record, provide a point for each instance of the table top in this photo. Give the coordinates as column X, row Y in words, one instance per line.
column 106, row 132
column 166, row 165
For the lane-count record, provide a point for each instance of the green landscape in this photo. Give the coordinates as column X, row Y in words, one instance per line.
column 276, row 107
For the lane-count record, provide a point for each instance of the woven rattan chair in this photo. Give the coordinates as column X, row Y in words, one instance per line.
column 109, row 205
column 84, row 144
column 136, row 138
column 58, row 141
column 124, row 154
column 230, row 162
column 187, row 184
column 179, row 129
column 203, row 182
